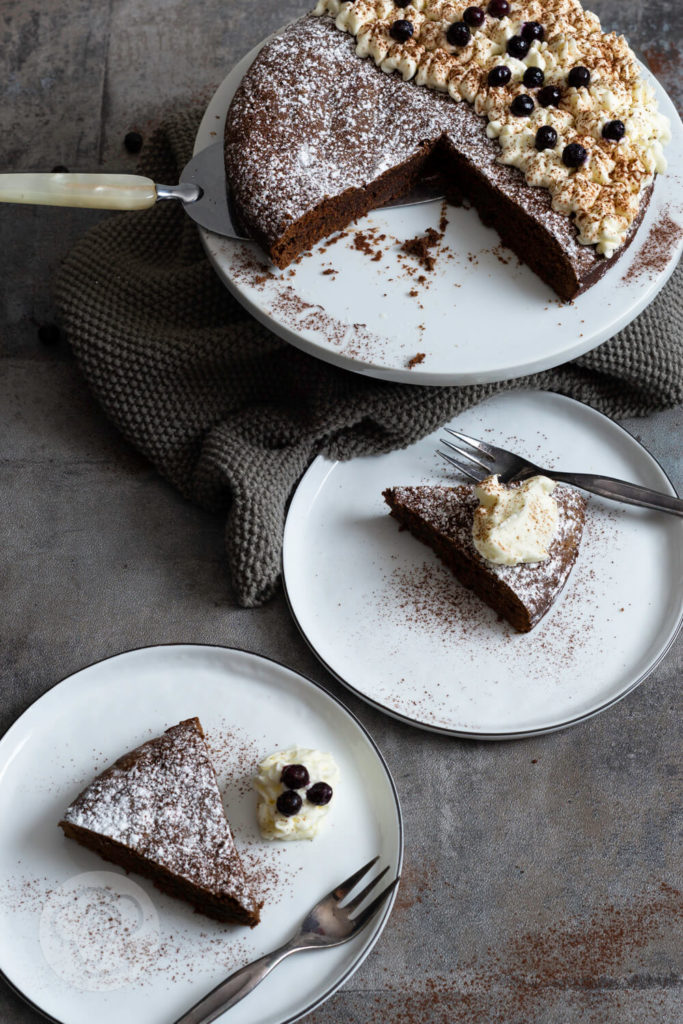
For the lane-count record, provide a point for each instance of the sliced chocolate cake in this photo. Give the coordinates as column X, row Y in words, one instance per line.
column 442, row 517
column 158, row 811
column 525, row 107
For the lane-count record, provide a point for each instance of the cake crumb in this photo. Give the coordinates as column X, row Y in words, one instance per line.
column 419, row 357
column 420, row 245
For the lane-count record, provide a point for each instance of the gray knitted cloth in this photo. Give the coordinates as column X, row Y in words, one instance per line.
column 232, row 416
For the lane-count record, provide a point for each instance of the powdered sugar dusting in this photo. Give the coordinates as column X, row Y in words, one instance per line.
column 162, row 800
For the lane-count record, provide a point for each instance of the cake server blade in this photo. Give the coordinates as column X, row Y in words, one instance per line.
column 213, row 209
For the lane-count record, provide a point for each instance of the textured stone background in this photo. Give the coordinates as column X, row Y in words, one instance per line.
column 538, row 874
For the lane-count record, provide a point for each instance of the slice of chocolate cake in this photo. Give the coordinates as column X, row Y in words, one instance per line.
column 442, row 517
column 158, row 811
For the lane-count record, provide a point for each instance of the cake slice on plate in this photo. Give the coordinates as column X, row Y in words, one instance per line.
column 444, row 518
column 158, row 811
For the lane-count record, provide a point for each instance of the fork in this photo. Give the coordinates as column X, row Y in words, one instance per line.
column 489, row 459
column 326, row 924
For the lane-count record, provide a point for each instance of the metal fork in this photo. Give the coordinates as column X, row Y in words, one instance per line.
column 489, row 459
column 326, row 924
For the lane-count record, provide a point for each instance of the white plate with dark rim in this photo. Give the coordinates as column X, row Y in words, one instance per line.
column 388, row 619
column 480, row 320
column 81, row 940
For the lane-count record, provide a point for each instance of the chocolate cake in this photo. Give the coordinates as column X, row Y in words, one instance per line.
column 442, row 517
column 158, row 811
column 350, row 106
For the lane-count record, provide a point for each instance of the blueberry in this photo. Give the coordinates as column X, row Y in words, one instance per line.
column 474, row 17
column 546, row 138
column 533, row 30
column 614, row 131
column 549, row 96
column 498, row 8
column 522, row 105
column 533, row 78
column 401, row 30
column 402, row 3
column 319, row 794
column 500, row 75
column 295, row 776
column 574, row 155
column 133, row 142
column 458, row 34
column 518, row 47
column 288, row 803
column 579, row 77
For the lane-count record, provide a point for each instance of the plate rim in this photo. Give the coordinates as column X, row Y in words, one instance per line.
column 471, row 734
column 384, row 918
column 423, row 378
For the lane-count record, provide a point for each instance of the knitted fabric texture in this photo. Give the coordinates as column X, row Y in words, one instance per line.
column 232, row 416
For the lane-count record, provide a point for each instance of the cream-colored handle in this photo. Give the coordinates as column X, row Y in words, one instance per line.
column 93, row 191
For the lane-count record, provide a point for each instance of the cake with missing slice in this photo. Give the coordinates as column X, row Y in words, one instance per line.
column 444, row 518
column 526, row 107
column 158, row 811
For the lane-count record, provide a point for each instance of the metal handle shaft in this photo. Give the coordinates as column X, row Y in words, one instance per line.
column 619, row 490
column 234, row 988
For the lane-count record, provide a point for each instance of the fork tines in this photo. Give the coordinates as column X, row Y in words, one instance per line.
column 466, row 469
column 345, row 888
column 372, row 908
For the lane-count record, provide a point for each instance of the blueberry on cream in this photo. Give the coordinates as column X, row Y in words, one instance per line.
column 296, row 789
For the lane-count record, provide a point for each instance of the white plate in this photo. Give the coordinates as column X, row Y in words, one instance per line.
column 74, row 967
column 390, row 622
column 480, row 320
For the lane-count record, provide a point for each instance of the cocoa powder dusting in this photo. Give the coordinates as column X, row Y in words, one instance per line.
column 592, row 964
column 354, row 340
column 663, row 61
column 657, row 250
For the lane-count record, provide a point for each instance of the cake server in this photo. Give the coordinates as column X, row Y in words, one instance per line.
column 202, row 191
column 489, row 459
column 326, row 924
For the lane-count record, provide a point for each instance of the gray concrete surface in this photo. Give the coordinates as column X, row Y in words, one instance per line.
column 540, row 875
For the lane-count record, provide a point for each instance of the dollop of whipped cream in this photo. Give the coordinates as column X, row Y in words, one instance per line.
column 514, row 524
column 306, row 823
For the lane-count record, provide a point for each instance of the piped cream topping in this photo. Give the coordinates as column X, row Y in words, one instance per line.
column 515, row 524
column 306, row 823
column 604, row 193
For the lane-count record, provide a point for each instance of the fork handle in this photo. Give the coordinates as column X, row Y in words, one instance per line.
column 619, row 490
column 234, row 988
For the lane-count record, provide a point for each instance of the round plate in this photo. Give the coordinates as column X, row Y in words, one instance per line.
column 390, row 621
column 81, row 940
column 341, row 306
